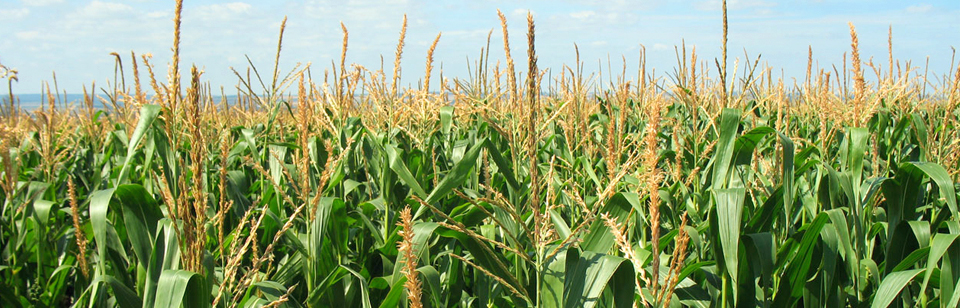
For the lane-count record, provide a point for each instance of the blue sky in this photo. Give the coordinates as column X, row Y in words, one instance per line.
column 75, row 38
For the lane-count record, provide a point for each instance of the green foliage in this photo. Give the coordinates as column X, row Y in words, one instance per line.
column 814, row 229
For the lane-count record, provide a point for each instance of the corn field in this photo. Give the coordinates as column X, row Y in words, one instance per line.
column 711, row 187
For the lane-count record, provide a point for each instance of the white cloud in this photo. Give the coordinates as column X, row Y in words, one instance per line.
column 219, row 35
column 104, row 9
column 41, row 2
column 919, row 8
column 764, row 12
column 475, row 34
column 583, row 14
column 100, row 20
column 28, row 35
column 587, row 19
column 358, row 10
column 223, row 10
column 660, row 46
column 599, row 43
column 158, row 14
column 617, row 5
column 14, row 14
column 521, row 12
column 733, row 5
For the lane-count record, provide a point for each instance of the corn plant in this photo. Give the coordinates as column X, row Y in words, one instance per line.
column 656, row 192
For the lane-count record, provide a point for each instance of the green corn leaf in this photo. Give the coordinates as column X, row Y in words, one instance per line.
column 99, row 205
column 589, row 274
column 599, row 239
column 422, row 232
column 729, row 205
column 124, row 295
column 798, row 269
column 553, row 280
column 493, row 263
column 938, row 247
column 364, row 290
column 446, row 119
column 396, row 294
column 398, row 166
column 140, row 216
column 148, row 114
column 940, row 177
column 454, row 178
column 181, row 288
column 891, row 286
column 504, row 167
column 721, row 161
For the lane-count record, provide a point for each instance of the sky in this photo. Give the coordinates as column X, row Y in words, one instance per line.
column 74, row 39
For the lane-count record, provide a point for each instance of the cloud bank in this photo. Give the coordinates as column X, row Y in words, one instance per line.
column 75, row 38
